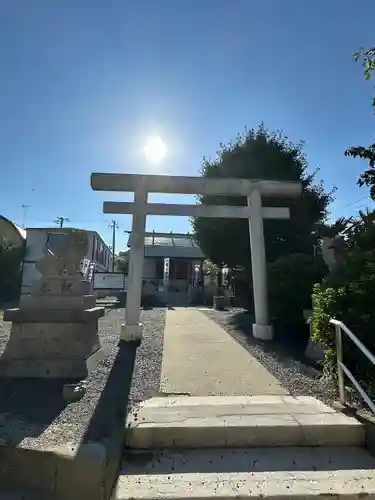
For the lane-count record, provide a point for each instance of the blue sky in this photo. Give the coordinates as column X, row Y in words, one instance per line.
column 83, row 83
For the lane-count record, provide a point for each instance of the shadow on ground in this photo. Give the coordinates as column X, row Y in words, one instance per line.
column 289, row 341
column 111, row 410
column 245, row 460
column 28, row 407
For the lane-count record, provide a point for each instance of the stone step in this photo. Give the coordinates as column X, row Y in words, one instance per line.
column 301, row 472
column 239, row 421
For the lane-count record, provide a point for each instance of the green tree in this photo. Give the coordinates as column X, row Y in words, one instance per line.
column 348, row 292
column 122, row 262
column 260, row 154
column 339, row 227
column 366, row 178
column 11, row 259
column 348, row 295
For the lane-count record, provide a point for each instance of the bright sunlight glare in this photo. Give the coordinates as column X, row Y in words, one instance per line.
column 155, row 149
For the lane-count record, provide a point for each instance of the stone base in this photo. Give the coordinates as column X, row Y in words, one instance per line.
column 64, row 368
column 39, row 349
column 314, row 350
column 262, row 332
column 67, row 451
column 131, row 333
column 220, row 302
column 53, row 315
column 57, row 302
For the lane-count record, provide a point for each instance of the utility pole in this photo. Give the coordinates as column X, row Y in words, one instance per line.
column 60, row 221
column 24, row 213
column 113, row 225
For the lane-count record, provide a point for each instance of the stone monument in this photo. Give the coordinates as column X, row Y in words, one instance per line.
column 54, row 332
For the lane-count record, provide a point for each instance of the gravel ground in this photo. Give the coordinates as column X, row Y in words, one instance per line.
column 147, row 369
column 33, row 412
column 298, row 377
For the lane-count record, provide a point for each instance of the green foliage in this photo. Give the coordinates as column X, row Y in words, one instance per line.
column 367, row 59
column 348, row 295
column 209, row 268
column 367, row 178
column 260, row 154
column 122, row 262
column 11, row 259
column 291, row 279
column 339, row 227
column 324, row 301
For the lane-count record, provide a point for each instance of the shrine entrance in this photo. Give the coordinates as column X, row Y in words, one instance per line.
column 255, row 212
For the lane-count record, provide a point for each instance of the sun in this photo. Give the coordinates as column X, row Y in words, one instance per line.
column 155, row 149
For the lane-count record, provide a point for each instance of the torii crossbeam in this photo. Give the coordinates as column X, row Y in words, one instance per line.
column 141, row 185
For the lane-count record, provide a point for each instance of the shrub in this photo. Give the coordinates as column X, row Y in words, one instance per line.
column 324, row 302
column 348, row 295
column 291, row 279
column 11, row 259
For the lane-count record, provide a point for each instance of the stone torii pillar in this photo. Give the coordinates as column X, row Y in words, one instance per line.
column 261, row 328
column 132, row 328
column 141, row 185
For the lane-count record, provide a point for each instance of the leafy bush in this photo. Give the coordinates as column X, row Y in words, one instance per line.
column 291, row 279
column 11, row 259
column 324, row 302
column 348, row 295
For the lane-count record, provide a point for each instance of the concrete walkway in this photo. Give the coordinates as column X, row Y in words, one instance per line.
column 200, row 358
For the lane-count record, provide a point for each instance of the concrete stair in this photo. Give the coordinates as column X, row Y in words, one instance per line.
column 202, row 422
column 243, row 447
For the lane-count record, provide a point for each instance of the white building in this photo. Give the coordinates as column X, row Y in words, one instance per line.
column 36, row 238
column 10, row 233
column 173, row 266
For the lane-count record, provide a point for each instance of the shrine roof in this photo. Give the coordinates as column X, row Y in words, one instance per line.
column 171, row 245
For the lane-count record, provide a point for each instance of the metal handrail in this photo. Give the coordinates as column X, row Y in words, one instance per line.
column 343, row 369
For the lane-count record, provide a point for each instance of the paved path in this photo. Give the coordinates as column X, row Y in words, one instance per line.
column 200, row 358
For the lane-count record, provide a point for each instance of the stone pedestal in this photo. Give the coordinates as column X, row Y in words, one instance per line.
column 52, row 343
column 220, row 302
column 54, row 332
column 314, row 349
column 262, row 332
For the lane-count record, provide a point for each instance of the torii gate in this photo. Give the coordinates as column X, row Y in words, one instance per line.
column 141, row 185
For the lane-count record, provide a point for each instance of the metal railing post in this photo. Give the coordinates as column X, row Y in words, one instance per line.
column 340, row 371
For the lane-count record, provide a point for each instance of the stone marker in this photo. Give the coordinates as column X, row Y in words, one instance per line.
column 54, row 332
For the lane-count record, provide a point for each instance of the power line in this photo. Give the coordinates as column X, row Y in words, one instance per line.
column 60, row 221
column 361, row 198
column 113, row 225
